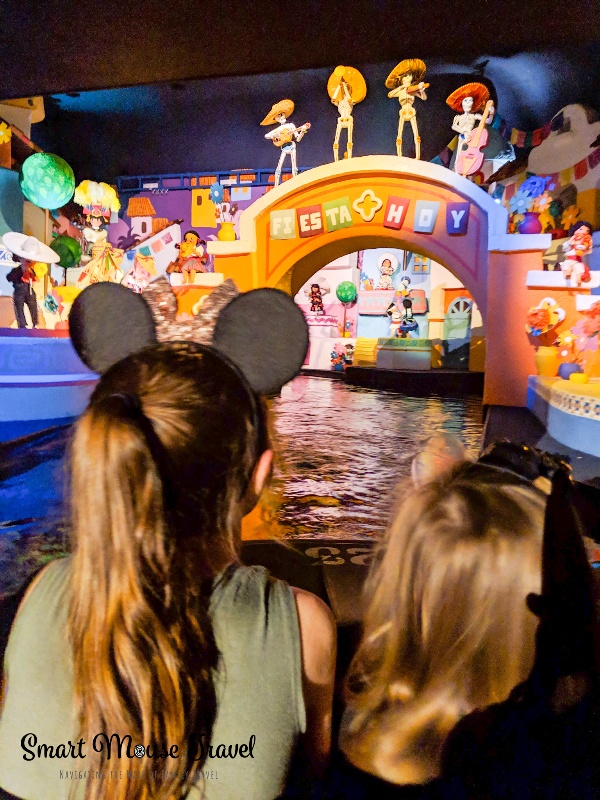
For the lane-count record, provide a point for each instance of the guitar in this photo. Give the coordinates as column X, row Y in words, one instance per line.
column 471, row 159
column 285, row 137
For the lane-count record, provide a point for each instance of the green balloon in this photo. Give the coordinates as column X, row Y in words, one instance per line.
column 68, row 249
column 47, row 180
column 346, row 292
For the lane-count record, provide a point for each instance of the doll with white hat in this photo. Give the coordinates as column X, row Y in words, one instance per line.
column 28, row 250
column 285, row 135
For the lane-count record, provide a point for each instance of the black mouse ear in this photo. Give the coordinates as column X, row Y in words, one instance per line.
column 265, row 334
column 109, row 322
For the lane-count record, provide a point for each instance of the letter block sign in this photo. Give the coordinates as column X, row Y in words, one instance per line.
column 426, row 212
column 457, row 218
column 337, row 214
column 395, row 211
column 283, row 224
column 310, row 220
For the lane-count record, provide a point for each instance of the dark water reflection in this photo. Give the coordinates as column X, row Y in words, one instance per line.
column 342, row 452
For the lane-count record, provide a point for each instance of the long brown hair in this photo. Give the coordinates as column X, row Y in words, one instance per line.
column 161, row 459
column 447, row 629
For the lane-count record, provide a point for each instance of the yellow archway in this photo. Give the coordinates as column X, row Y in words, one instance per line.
column 377, row 201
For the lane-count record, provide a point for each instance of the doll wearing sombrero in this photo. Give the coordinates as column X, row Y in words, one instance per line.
column 140, row 275
column 406, row 83
column 285, row 135
column 470, row 99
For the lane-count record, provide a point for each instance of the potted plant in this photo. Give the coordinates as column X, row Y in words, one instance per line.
column 587, row 336
column 541, row 321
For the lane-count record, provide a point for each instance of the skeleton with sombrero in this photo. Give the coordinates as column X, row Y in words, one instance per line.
column 471, row 99
column 406, row 83
column 346, row 87
column 285, row 135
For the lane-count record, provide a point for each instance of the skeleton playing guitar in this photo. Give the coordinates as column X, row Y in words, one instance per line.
column 286, row 136
column 471, row 159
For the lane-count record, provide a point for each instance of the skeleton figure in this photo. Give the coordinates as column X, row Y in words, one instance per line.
column 400, row 81
column 285, row 135
column 342, row 98
column 470, row 99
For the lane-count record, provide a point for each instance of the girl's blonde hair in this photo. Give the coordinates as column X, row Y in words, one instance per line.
column 161, row 460
column 447, row 629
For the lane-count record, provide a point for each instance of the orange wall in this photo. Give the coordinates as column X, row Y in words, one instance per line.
column 509, row 355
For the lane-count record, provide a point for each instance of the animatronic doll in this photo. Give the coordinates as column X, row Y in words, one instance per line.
column 346, row 87
column 98, row 201
column 191, row 258
column 315, row 295
column 29, row 251
column 471, row 99
column 138, row 278
column 105, row 266
column 406, row 301
column 388, row 264
column 579, row 245
column 285, row 135
column 396, row 318
column 406, row 83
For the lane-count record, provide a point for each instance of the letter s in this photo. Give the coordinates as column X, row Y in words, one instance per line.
column 29, row 736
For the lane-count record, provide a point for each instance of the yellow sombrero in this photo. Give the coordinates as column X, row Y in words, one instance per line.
column 479, row 93
column 282, row 107
column 353, row 78
column 414, row 66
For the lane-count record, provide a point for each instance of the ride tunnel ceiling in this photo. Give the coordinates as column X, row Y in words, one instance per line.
column 50, row 47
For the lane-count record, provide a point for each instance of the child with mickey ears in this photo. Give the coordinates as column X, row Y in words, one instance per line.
column 152, row 628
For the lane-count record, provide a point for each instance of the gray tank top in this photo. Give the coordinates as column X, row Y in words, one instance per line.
column 259, row 690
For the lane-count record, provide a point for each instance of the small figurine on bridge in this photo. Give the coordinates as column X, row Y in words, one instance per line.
column 406, row 83
column 285, row 135
column 473, row 99
column 346, row 87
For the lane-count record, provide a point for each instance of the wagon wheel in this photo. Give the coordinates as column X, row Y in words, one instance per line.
column 462, row 305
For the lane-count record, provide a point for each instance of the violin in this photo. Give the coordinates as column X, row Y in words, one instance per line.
column 285, row 137
column 416, row 87
column 470, row 160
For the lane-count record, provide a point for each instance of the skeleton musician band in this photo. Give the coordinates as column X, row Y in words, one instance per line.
column 346, row 88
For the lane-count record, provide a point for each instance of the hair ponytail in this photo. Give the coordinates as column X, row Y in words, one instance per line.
column 143, row 646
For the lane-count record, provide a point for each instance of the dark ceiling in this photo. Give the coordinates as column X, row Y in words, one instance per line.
column 49, row 47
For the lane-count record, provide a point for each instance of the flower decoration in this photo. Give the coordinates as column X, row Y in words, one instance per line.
column 542, row 203
column 546, row 221
column 544, row 317
column 566, row 342
column 50, row 304
column 520, row 202
column 534, row 186
column 569, row 216
column 5, row 133
column 217, row 193
column 587, row 329
column 538, row 320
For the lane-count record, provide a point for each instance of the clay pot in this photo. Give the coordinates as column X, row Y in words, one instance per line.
column 531, row 223
column 226, row 232
column 567, row 369
column 547, row 361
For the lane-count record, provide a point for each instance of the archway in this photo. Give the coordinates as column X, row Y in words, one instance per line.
column 378, row 201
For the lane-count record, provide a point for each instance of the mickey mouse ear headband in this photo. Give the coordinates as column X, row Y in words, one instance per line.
column 262, row 333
